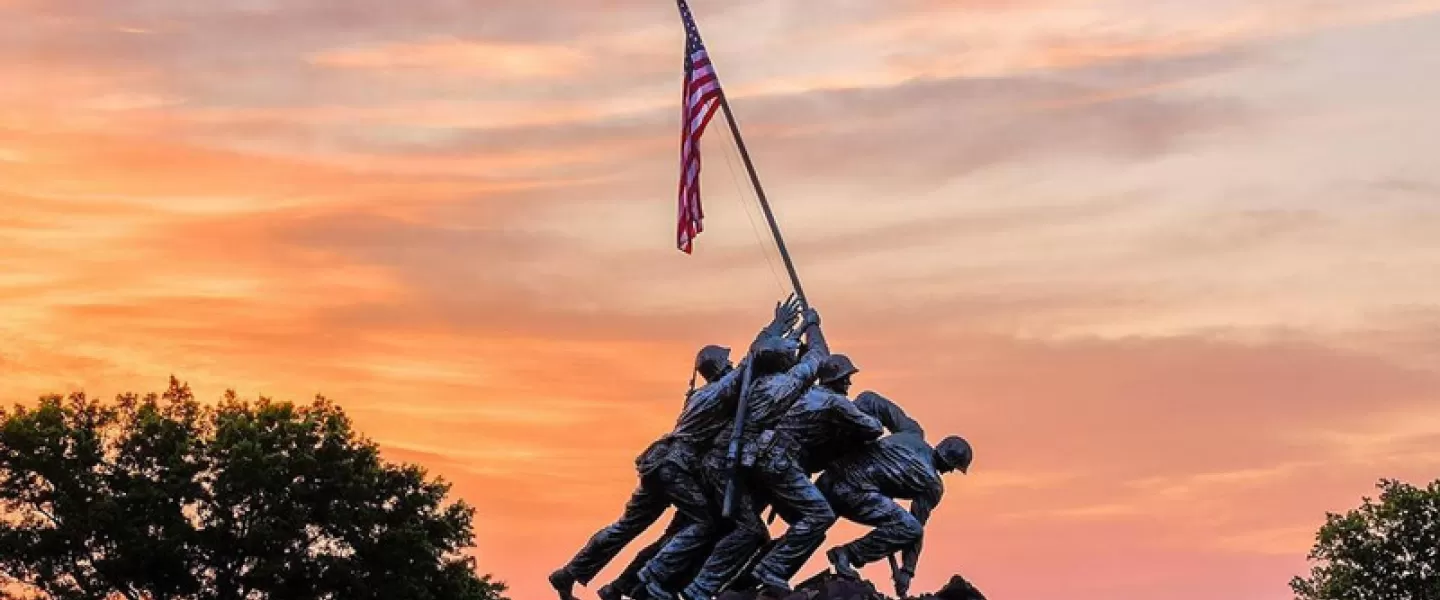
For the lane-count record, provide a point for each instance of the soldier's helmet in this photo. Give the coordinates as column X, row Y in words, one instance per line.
column 835, row 367
column 771, row 354
column 956, row 453
column 711, row 361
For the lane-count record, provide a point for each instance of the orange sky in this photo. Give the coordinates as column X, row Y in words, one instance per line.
column 1170, row 266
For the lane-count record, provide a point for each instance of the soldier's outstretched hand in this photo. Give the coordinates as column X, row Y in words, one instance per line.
column 787, row 311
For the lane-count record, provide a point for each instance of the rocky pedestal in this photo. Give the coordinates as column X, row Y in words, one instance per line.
column 827, row 586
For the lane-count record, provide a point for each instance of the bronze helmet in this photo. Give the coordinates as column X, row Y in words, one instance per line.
column 956, row 453
column 835, row 367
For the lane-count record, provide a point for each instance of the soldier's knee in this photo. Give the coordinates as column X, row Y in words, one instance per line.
column 821, row 518
column 703, row 528
column 610, row 532
column 827, row 515
column 753, row 529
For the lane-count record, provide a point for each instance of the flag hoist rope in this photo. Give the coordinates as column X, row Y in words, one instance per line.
column 744, row 202
column 760, row 194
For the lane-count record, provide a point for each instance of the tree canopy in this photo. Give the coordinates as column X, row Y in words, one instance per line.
column 1383, row 550
column 162, row 497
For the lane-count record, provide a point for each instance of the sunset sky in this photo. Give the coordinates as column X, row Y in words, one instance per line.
column 1171, row 266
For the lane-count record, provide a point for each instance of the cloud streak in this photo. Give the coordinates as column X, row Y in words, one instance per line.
column 1118, row 245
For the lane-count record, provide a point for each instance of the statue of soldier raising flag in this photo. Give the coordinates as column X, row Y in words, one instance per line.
column 755, row 433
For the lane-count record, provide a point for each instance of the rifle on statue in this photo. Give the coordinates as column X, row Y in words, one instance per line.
column 732, row 454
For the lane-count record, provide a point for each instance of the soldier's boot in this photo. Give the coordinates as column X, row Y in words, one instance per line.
column 653, row 591
column 685, row 595
column 841, row 561
column 564, row 583
column 772, row 586
column 745, row 582
column 650, row 589
column 608, row 592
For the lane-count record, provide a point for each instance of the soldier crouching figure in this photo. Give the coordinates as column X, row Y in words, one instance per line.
column 862, row 487
column 816, row 430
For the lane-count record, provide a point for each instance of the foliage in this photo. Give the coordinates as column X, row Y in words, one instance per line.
column 1385, row 550
column 162, row 497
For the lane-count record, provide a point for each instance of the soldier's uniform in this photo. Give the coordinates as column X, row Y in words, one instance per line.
column 818, row 429
column 708, row 416
column 774, row 388
column 862, row 486
column 629, row 579
column 669, row 476
column 666, row 478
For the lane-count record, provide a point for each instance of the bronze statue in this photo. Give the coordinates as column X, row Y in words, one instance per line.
column 862, row 487
column 668, row 472
column 795, row 420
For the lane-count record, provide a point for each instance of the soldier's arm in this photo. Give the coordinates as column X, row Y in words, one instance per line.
column 814, row 338
column 889, row 413
column 870, row 428
column 785, row 314
column 780, row 326
column 803, row 373
column 729, row 384
column 921, row 508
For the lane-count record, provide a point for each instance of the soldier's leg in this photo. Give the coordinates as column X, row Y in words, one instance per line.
column 790, row 488
column 646, row 505
column 691, row 570
column 745, row 580
column 629, row 578
column 790, row 516
column 692, row 501
column 746, row 533
column 894, row 527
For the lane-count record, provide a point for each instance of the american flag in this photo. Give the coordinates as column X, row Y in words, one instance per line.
column 701, row 99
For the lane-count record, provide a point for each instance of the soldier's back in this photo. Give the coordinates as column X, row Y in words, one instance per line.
column 707, row 413
column 826, row 426
column 900, row 465
column 769, row 399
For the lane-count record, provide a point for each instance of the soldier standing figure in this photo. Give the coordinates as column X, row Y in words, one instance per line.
column 669, row 564
column 667, row 469
column 863, row 486
column 778, row 380
column 818, row 429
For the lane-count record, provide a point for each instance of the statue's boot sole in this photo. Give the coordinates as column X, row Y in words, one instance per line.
column 563, row 584
column 840, row 563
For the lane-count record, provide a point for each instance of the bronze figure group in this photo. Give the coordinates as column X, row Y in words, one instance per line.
column 754, row 436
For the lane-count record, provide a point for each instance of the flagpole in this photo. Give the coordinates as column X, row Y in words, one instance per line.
column 754, row 177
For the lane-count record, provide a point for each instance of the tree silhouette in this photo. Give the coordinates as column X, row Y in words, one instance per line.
column 161, row 497
column 1385, row 550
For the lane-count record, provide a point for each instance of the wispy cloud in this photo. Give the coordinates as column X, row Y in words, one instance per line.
column 488, row 60
column 1116, row 244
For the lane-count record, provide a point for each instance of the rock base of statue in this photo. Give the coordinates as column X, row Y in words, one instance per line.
column 828, row 586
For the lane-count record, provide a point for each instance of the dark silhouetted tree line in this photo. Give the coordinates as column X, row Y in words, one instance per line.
column 1386, row 549
column 161, row 497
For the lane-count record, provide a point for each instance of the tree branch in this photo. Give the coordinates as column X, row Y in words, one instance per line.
column 39, row 509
